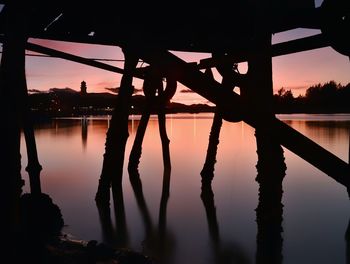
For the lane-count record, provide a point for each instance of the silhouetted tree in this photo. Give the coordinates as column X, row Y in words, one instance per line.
column 323, row 98
column 284, row 100
column 330, row 97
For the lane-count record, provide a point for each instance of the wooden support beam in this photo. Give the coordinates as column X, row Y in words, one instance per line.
column 71, row 57
column 78, row 59
column 279, row 49
column 231, row 102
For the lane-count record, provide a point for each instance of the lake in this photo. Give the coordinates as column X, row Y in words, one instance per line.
column 217, row 224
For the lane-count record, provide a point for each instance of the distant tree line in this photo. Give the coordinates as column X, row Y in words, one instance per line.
column 330, row 97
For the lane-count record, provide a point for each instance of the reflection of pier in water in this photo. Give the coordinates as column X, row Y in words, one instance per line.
column 159, row 242
column 84, row 131
column 223, row 253
column 85, row 122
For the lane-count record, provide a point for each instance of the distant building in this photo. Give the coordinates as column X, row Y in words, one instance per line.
column 83, row 88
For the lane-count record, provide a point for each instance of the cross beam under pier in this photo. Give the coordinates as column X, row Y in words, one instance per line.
column 229, row 101
column 279, row 49
column 67, row 56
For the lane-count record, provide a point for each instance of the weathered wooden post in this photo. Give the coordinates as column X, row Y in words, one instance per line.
column 207, row 172
column 156, row 100
column 228, row 83
column 117, row 135
column 12, row 71
column 17, row 90
column 15, row 109
column 270, row 166
column 164, row 97
column 151, row 84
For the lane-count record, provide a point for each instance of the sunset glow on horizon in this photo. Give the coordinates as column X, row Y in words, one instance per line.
column 295, row 72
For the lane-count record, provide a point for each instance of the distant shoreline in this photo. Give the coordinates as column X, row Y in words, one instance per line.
column 328, row 98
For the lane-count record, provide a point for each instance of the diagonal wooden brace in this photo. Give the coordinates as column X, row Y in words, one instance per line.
column 210, row 89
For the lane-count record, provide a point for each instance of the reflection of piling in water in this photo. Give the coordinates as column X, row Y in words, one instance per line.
column 119, row 210
column 117, row 236
column 108, row 232
column 84, row 131
column 140, row 199
column 158, row 241
column 271, row 171
column 207, row 197
column 223, row 253
column 163, row 204
column 347, row 244
column 117, row 134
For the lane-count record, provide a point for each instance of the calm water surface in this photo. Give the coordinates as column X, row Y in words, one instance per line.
column 179, row 229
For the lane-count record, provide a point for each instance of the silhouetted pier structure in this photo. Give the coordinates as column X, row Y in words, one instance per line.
column 239, row 32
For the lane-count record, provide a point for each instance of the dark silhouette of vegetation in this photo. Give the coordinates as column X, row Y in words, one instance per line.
column 330, row 97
